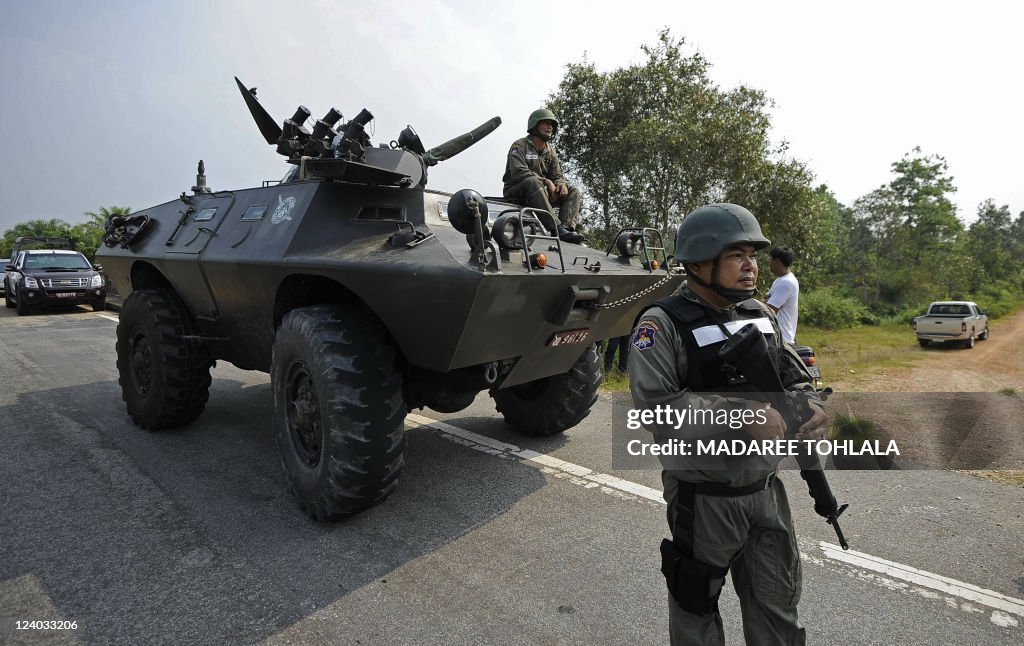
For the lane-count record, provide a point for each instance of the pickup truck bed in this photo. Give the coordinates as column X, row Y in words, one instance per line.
column 951, row 322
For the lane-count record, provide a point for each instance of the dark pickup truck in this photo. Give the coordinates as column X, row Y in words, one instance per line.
column 42, row 277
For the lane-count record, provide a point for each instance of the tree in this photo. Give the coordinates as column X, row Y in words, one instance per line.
column 910, row 230
column 650, row 142
column 89, row 236
column 52, row 228
column 926, row 213
column 85, row 237
column 992, row 243
column 585, row 94
column 102, row 217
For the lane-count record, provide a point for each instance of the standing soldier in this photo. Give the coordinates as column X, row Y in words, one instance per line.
column 732, row 515
column 533, row 177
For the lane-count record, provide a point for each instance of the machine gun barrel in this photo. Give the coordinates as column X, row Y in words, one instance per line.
column 455, row 146
column 747, row 351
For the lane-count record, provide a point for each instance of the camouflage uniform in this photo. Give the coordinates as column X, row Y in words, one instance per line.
column 525, row 172
column 733, row 516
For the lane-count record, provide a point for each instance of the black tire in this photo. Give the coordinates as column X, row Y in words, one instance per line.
column 984, row 334
column 99, row 305
column 23, row 307
column 924, row 342
column 969, row 343
column 164, row 377
column 553, row 404
column 7, row 296
column 338, row 410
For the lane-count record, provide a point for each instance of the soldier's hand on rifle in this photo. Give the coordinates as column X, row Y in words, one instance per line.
column 816, row 427
column 773, row 428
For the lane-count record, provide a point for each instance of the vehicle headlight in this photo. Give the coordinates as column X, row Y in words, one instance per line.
column 97, row 281
column 31, row 282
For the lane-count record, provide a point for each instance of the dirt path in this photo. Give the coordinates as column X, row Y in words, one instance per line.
column 956, row 408
column 990, row 366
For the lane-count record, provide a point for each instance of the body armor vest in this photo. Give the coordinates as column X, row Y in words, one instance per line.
column 705, row 371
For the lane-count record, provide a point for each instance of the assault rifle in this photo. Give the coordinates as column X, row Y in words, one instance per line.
column 747, row 352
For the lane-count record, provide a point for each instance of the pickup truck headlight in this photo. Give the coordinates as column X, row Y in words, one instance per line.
column 31, row 282
column 97, row 281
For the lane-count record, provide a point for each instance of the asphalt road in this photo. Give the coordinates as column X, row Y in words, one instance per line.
column 190, row 536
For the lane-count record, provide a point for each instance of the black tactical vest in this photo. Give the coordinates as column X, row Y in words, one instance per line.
column 705, row 371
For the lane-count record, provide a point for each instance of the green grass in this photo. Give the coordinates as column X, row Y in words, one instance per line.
column 851, row 353
column 615, row 382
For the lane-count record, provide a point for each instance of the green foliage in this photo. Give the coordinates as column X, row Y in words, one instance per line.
column 650, row 142
column 85, row 237
column 53, row 228
column 907, row 314
column 906, row 242
column 998, row 298
column 828, row 308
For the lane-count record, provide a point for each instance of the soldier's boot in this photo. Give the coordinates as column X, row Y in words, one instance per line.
column 565, row 235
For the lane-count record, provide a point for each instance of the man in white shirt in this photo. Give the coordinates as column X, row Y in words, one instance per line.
column 784, row 296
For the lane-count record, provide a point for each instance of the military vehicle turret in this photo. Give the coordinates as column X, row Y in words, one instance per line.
column 364, row 295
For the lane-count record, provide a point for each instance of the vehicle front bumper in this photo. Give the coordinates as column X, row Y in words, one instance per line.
column 51, row 296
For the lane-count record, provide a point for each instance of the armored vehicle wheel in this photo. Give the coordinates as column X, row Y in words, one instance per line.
column 164, row 377
column 553, row 404
column 99, row 305
column 338, row 410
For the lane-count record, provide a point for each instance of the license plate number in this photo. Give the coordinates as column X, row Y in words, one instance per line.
column 814, row 371
column 66, row 294
column 569, row 337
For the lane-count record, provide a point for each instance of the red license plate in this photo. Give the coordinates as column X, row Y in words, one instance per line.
column 569, row 337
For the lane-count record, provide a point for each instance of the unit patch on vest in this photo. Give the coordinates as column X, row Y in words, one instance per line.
column 643, row 338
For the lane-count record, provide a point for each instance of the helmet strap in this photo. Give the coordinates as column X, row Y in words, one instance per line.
column 731, row 295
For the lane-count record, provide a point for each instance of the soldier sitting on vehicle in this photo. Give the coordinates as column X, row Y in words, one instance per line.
column 534, row 178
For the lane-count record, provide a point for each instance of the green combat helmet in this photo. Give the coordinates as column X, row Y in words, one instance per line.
column 705, row 233
column 537, row 116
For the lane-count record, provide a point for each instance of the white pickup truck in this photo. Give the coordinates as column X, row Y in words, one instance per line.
column 951, row 322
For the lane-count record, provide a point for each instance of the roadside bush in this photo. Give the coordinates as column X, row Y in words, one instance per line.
column 998, row 299
column 828, row 308
column 906, row 314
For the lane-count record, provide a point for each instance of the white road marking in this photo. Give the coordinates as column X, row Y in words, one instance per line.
column 109, row 317
column 887, row 574
column 489, row 445
column 1002, row 605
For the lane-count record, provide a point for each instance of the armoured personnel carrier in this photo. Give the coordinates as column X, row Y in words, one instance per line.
column 365, row 295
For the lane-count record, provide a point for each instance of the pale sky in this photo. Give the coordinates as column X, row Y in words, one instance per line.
column 114, row 103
